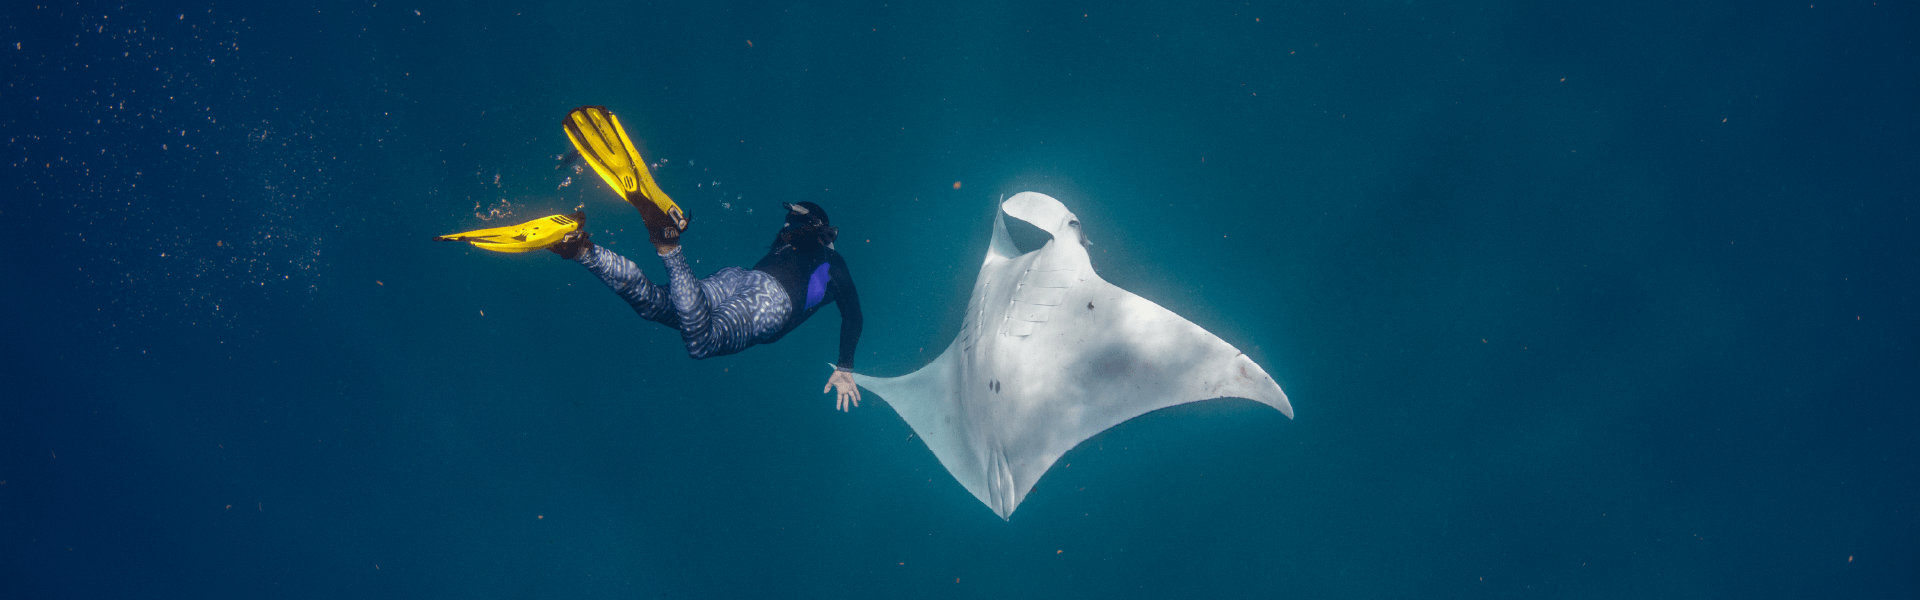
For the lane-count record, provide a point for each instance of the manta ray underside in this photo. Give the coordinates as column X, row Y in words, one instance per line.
column 1050, row 354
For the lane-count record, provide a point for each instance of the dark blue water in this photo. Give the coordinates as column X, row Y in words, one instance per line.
column 1572, row 299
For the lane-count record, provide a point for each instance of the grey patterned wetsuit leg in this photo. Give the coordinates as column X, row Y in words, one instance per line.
column 728, row 311
column 620, row 274
column 719, row 315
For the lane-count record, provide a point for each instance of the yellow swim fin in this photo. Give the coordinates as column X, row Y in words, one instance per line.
column 525, row 237
column 604, row 144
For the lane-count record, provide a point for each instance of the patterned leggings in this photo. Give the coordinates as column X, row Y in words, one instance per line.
column 716, row 316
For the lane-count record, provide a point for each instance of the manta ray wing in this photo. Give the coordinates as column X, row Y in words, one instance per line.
column 1049, row 354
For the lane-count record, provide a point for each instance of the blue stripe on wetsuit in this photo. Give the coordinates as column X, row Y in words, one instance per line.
column 817, row 286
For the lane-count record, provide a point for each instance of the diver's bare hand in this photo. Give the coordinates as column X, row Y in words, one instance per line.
column 849, row 392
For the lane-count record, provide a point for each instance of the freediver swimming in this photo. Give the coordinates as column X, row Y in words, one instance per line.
column 728, row 311
column 1030, row 375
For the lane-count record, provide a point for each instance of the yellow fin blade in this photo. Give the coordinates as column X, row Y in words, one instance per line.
column 604, row 145
column 537, row 234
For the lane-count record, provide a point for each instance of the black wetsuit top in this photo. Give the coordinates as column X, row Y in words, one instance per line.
column 813, row 279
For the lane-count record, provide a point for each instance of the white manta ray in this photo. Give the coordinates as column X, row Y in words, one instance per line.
column 1049, row 355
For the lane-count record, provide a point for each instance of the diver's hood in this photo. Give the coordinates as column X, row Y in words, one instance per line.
column 804, row 216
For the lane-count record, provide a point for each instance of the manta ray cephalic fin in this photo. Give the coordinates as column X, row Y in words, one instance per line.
column 1048, row 355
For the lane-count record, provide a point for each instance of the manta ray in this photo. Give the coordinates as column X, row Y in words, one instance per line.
column 1050, row 354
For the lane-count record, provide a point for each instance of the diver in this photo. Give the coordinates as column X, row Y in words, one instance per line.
column 734, row 308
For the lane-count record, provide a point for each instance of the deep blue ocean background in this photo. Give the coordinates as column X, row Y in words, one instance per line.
column 1572, row 299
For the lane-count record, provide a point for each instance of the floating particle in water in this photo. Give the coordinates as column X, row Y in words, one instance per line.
column 726, row 205
column 565, row 182
column 956, row 185
column 501, row 210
